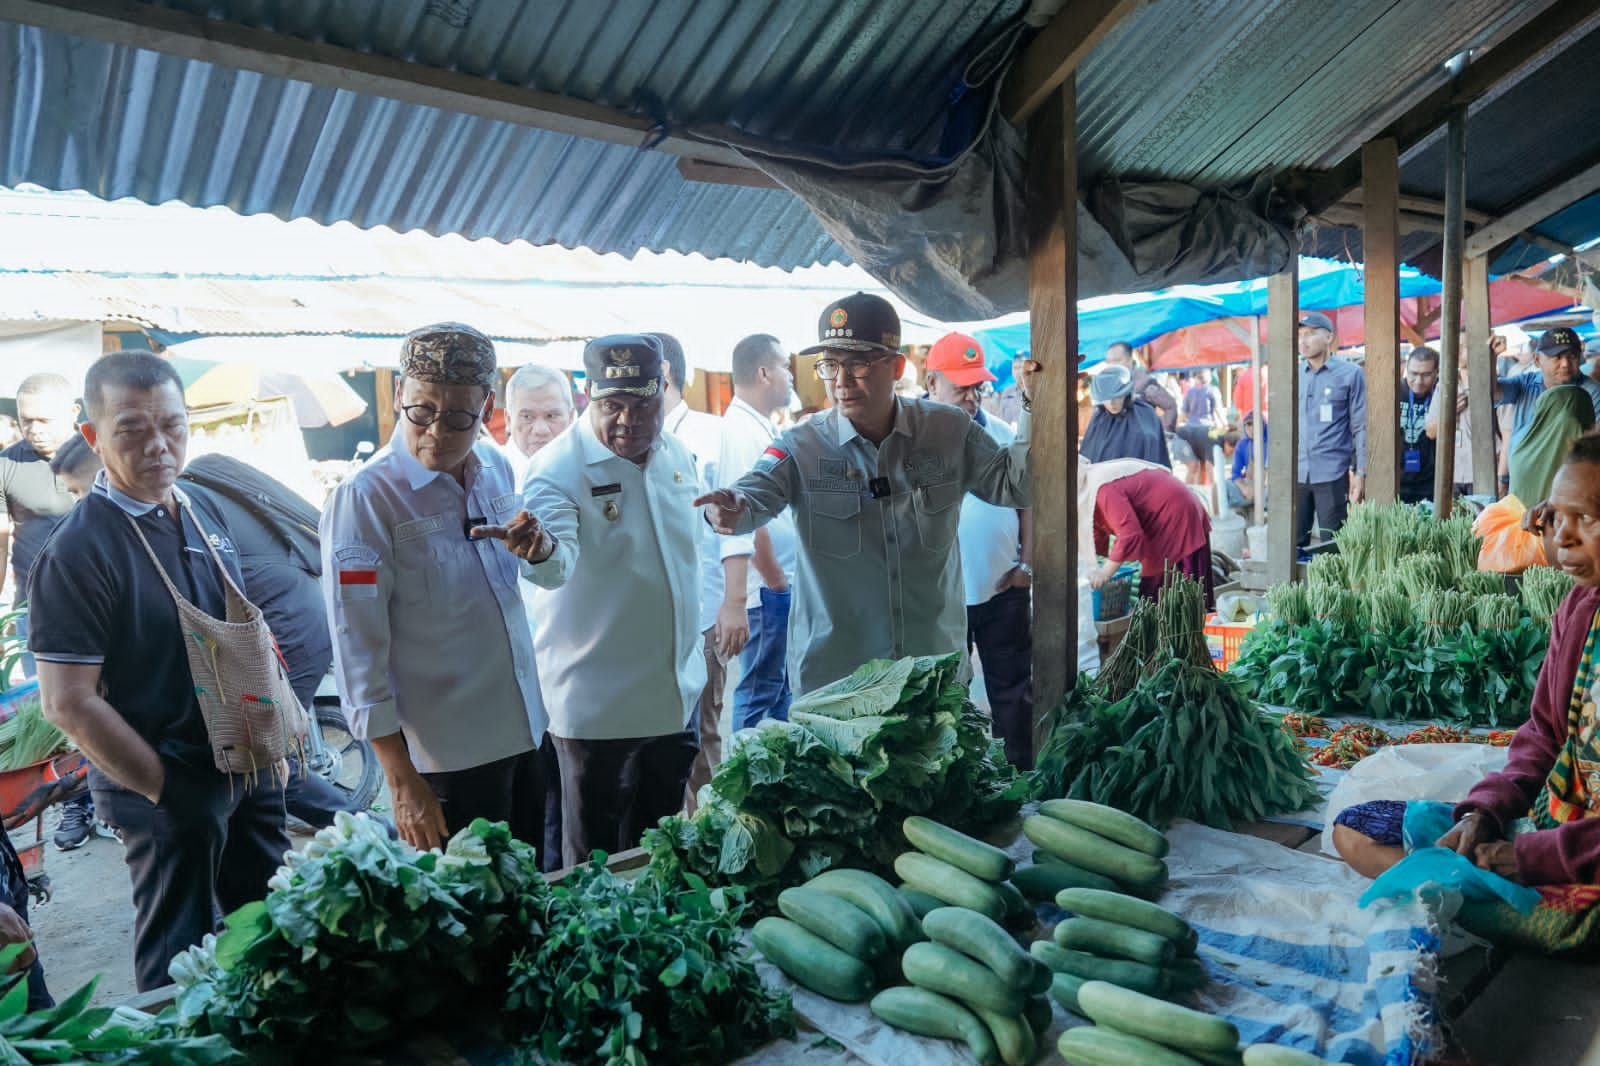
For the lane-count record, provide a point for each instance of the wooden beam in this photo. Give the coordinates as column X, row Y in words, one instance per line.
column 1283, row 450
column 1051, row 57
column 1416, row 205
column 1258, row 425
column 1380, row 177
column 1538, row 36
column 1480, row 370
column 718, row 174
column 1052, row 205
column 1534, row 211
column 1455, row 235
column 229, row 44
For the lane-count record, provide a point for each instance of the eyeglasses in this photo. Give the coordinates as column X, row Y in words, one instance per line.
column 855, row 369
column 425, row 415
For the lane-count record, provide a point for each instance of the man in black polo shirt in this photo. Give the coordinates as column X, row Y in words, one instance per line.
column 114, row 676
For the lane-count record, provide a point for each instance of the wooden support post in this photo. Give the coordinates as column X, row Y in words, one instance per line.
column 1258, row 424
column 1455, row 235
column 1283, row 451
column 1052, row 202
column 1380, row 189
column 1479, row 383
column 383, row 389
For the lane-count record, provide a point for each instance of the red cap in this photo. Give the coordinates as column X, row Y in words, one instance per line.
column 959, row 358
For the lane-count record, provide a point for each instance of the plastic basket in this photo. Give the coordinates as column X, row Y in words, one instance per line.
column 1225, row 639
column 1115, row 598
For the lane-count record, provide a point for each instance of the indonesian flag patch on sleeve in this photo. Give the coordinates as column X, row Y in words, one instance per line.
column 771, row 457
column 357, row 573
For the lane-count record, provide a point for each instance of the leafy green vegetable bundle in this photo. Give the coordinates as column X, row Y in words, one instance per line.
column 641, row 972
column 831, row 786
column 28, row 737
column 363, row 939
column 1182, row 741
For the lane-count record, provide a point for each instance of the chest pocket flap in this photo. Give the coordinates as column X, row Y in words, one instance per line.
column 836, row 524
column 937, row 518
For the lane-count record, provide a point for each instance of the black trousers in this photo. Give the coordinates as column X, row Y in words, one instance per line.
column 207, row 849
column 613, row 790
column 1326, row 501
column 509, row 790
column 1002, row 631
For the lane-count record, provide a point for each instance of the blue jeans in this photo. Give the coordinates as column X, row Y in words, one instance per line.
column 763, row 691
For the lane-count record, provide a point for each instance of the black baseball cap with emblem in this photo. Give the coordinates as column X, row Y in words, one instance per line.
column 858, row 323
column 623, row 363
column 1560, row 339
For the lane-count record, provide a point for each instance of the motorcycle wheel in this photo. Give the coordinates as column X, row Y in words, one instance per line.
column 356, row 771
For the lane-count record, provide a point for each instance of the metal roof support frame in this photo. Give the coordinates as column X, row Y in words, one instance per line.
column 1455, row 235
column 1283, row 392
column 1380, row 183
column 1052, row 204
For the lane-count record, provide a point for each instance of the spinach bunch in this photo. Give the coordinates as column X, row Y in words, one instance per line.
column 362, row 937
column 634, row 972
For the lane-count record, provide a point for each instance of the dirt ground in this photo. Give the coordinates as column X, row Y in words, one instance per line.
column 86, row 927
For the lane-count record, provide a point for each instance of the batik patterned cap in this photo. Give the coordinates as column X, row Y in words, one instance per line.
column 448, row 353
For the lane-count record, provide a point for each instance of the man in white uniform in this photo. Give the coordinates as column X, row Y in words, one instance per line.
column 616, row 625
column 876, row 486
column 538, row 409
column 762, row 385
column 431, row 645
column 996, row 560
column 724, row 562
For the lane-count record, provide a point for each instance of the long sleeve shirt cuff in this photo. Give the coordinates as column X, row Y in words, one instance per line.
column 1024, row 425
column 380, row 719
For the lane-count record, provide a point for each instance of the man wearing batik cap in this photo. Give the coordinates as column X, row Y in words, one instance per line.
column 430, row 637
column 996, row 559
column 876, row 485
column 617, row 615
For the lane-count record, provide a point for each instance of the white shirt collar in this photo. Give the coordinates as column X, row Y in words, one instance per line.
column 127, row 504
column 902, row 422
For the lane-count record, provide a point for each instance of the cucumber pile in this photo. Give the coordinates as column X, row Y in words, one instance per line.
column 1133, row 1028
column 1087, row 845
column 841, row 933
column 951, row 869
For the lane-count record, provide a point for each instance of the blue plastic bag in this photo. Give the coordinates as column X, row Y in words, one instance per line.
column 1447, row 869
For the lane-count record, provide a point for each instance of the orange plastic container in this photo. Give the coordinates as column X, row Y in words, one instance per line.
column 1225, row 639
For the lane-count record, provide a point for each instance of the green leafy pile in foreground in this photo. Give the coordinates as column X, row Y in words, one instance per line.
column 1162, row 734
column 630, row 972
column 831, row 786
column 363, row 938
column 74, row 1032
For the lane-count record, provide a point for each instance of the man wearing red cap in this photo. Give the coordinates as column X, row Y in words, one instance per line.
column 996, row 558
column 875, row 484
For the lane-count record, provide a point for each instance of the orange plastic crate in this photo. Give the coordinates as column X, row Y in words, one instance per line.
column 1225, row 639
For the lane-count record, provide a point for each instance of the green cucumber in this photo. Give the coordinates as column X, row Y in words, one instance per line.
column 984, row 861
column 921, row 902
column 838, row 921
column 1012, row 1036
column 1039, row 1014
column 1110, row 823
column 1155, row 1019
column 812, row 962
column 1275, row 1055
column 1115, row 941
column 950, row 973
column 1094, row 853
column 972, row 934
column 1187, row 975
column 1125, row 910
column 1135, row 975
column 1221, row 1058
column 1093, row 1045
column 1019, row 912
column 924, row 873
column 877, row 897
column 1064, row 990
column 1043, row 880
column 917, row 1010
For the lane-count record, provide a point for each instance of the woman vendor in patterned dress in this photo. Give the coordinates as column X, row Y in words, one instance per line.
column 1534, row 822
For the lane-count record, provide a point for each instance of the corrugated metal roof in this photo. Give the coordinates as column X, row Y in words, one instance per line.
column 1214, row 91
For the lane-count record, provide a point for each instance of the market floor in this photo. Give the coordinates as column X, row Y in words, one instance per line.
column 86, row 928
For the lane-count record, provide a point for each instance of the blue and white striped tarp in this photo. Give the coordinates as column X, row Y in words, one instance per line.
column 1294, row 960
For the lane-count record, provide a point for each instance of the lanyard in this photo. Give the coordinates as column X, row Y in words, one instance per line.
column 1413, row 418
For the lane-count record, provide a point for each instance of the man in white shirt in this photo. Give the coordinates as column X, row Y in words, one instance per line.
column 876, row 485
column 996, row 560
column 538, row 409
column 762, row 385
column 616, row 630
column 431, row 643
column 724, row 562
